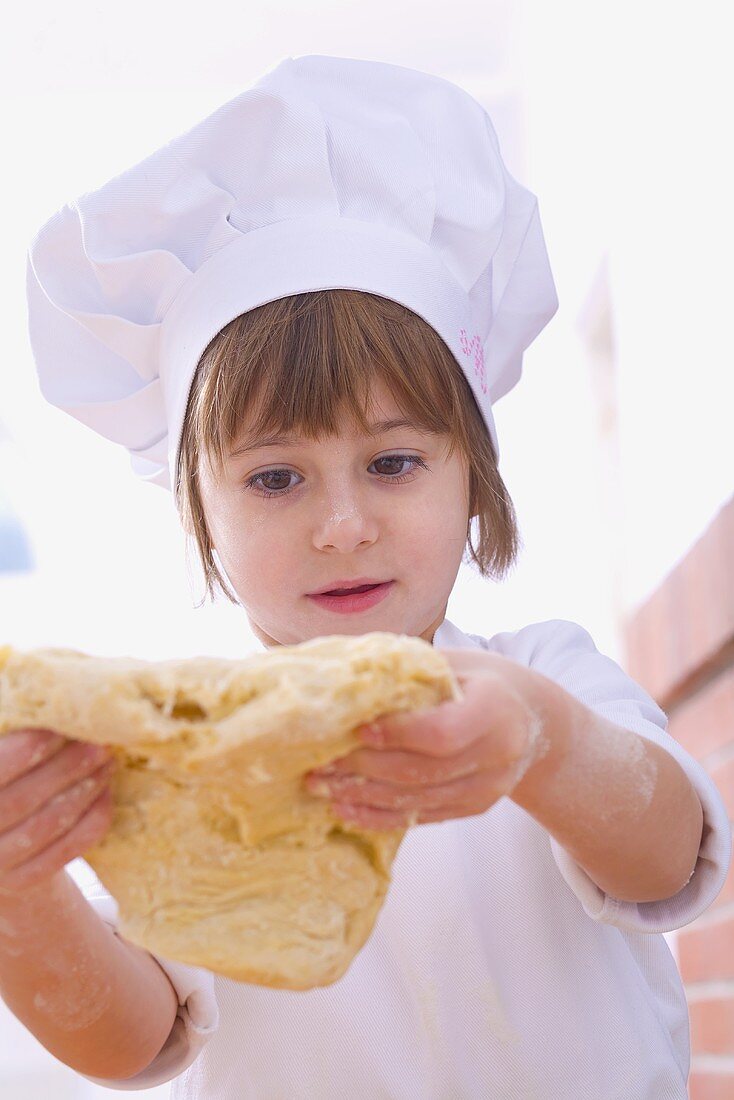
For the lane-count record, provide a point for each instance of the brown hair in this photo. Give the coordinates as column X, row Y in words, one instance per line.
column 297, row 362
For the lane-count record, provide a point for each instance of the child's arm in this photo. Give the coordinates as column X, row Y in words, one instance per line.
column 99, row 1004
column 619, row 804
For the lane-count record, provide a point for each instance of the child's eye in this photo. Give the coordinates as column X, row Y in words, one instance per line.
column 281, row 491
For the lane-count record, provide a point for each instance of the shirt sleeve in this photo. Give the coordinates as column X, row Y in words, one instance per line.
column 197, row 1017
column 566, row 653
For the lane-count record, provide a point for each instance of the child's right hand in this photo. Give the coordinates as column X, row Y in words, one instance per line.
column 55, row 804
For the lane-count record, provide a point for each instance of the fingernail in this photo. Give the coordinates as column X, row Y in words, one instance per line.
column 97, row 752
column 346, row 809
column 372, row 734
column 46, row 748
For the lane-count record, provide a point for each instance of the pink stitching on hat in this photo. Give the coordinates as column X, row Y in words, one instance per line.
column 474, row 346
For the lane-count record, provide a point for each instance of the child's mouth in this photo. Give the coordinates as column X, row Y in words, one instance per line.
column 346, row 591
column 353, row 599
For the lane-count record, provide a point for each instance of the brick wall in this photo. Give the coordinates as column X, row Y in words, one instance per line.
column 680, row 648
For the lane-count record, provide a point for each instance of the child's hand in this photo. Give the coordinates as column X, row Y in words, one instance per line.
column 55, row 804
column 453, row 760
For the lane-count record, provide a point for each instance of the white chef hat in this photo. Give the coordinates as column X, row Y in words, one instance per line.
column 329, row 172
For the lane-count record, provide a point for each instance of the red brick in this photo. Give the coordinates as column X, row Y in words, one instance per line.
column 711, row 1086
column 647, row 655
column 715, row 581
column 696, row 610
column 727, row 890
column 689, row 618
column 706, row 954
column 723, row 777
column 688, row 613
column 705, row 722
column 725, row 542
column 712, row 1026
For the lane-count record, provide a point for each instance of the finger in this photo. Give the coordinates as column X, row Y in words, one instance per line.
column 408, row 769
column 53, row 820
column 365, row 792
column 74, row 761
column 87, row 832
column 442, row 730
column 369, row 818
column 21, row 750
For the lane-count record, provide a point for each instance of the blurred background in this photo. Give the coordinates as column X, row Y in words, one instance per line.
column 617, row 445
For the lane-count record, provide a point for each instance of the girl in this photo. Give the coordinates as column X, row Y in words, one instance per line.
column 297, row 316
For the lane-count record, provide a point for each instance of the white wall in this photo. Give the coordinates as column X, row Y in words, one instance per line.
column 629, row 146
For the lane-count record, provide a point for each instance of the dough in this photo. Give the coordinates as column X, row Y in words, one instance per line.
column 217, row 854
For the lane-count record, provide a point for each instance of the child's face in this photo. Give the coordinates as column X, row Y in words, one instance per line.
column 346, row 516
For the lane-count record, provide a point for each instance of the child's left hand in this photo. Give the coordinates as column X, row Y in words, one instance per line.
column 453, row 760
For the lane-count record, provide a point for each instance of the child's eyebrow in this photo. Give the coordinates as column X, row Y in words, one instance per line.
column 379, row 428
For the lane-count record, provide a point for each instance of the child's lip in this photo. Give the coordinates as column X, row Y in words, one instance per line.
column 357, row 582
column 353, row 602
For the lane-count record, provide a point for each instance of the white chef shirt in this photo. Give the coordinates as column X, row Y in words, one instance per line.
column 496, row 969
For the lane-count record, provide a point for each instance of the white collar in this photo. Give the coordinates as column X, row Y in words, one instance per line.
column 448, row 636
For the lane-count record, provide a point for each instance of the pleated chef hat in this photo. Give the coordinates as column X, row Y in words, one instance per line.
column 328, row 172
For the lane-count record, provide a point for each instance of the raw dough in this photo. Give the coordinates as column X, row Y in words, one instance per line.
column 217, row 854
